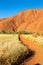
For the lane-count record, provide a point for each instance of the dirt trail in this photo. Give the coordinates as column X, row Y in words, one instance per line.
column 38, row 56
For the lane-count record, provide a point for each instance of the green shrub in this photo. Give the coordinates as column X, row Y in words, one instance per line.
column 19, row 32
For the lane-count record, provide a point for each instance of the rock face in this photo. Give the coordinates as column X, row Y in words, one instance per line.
column 29, row 20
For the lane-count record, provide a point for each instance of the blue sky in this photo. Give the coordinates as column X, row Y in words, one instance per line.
column 10, row 8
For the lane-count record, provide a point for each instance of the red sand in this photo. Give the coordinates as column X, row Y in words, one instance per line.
column 38, row 56
column 29, row 20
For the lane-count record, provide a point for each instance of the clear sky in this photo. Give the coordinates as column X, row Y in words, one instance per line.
column 10, row 8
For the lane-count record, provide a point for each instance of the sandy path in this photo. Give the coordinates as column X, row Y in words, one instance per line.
column 38, row 57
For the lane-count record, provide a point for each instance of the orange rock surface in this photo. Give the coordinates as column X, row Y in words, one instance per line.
column 29, row 20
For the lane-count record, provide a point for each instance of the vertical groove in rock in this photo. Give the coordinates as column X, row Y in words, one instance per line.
column 29, row 20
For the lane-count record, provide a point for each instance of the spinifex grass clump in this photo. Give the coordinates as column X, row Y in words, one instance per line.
column 12, row 51
column 35, row 38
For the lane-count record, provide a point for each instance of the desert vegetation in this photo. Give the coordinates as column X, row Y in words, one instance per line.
column 18, row 34
column 12, row 51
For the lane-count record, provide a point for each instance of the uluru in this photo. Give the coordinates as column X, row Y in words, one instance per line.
column 28, row 20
